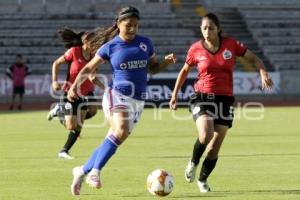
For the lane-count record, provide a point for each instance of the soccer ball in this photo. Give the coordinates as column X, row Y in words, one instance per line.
column 160, row 182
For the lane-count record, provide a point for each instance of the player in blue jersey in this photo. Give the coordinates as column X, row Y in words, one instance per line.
column 131, row 57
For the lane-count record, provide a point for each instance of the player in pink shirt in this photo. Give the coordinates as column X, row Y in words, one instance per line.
column 17, row 73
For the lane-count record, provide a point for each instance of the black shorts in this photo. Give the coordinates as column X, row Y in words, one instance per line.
column 19, row 90
column 71, row 108
column 217, row 106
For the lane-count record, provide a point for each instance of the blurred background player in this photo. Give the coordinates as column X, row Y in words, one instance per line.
column 77, row 56
column 212, row 103
column 17, row 73
column 131, row 57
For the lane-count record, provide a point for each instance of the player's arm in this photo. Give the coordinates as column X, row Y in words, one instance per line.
column 179, row 82
column 9, row 73
column 84, row 73
column 55, row 69
column 28, row 71
column 155, row 67
column 266, row 81
column 95, row 80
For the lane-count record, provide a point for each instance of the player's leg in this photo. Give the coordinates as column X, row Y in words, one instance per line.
column 11, row 107
column 205, row 128
column 92, row 106
column 119, row 132
column 210, row 161
column 73, row 124
column 91, row 111
column 21, row 93
column 123, row 116
column 55, row 111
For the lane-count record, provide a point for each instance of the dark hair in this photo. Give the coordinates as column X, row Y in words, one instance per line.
column 19, row 55
column 213, row 17
column 70, row 38
column 103, row 35
column 126, row 12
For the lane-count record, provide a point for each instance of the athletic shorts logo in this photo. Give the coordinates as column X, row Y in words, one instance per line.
column 196, row 110
column 68, row 106
column 143, row 46
column 123, row 66
column 227, row 54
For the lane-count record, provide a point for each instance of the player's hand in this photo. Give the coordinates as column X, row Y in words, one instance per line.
column 72, row 95
column 173, row 103
column 266, row 81
column 171, row 58
column 56, row 86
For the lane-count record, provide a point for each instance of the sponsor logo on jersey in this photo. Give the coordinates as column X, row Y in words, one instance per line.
column 227, row 54
column 143, row 46
column 123, row 66
column 134, row 64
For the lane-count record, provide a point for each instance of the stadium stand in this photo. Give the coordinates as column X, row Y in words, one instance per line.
column 29, row 28
column 232, row 22
column 32, row 30
column 277, row 30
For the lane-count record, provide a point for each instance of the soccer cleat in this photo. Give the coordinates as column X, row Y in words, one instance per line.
column 53, row 112
column 93, row 180
column 65, row 155
column 203, row 186
column 190, row 172
column 78, row 176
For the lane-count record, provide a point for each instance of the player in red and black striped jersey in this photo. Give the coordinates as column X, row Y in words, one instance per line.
column 77, row 56
column 212, row 104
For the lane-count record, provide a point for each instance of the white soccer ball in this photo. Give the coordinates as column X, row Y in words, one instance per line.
column 160, row 182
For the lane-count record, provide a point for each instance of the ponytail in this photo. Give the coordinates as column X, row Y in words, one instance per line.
column 70, row 38
column 102, row 35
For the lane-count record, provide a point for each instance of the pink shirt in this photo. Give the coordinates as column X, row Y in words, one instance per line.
column 18, row 73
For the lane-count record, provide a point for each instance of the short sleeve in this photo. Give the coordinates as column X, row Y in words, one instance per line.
column 240, row 49
column 69, row 55
column 190, row 60
column 103, row 52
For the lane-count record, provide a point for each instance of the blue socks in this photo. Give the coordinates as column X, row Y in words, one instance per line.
column 102, row 154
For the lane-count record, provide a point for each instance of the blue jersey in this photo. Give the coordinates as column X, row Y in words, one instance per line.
column 129, row 62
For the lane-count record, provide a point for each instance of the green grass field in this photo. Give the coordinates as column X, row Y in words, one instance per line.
column 260, row 160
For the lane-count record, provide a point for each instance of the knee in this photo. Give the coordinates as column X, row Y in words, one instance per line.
column 205, row 138
column 122, row 132
column 70, row 126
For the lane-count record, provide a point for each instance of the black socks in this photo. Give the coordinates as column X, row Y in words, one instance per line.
column 198, row 151
column 207, row 167
column 73, row 135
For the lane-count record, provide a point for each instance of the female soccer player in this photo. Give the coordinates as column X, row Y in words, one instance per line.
column 212, row 103
column 131, row 57
column 77, row 56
